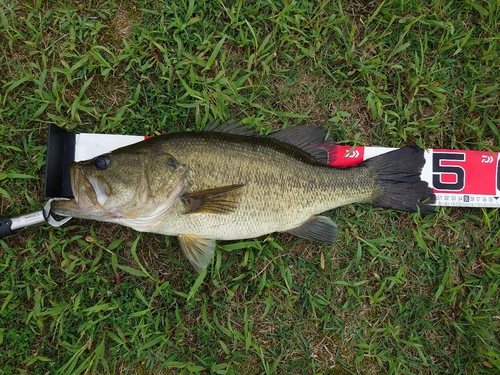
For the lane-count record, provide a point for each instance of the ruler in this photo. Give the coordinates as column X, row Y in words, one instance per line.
column 460, row 178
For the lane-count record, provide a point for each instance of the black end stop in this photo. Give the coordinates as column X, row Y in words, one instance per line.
column 60, row 155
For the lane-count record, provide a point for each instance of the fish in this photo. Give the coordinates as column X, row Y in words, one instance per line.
column 230, row 183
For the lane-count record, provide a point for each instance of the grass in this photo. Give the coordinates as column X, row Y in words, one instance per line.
column 397, row 294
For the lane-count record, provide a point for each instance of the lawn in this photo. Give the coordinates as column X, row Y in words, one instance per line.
column 398, row 293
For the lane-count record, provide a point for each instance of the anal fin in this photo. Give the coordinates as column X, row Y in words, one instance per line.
column 198, row 250
column 317, row 228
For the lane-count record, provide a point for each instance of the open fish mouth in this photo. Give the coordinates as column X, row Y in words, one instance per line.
column 88, row 191
column 101, row 190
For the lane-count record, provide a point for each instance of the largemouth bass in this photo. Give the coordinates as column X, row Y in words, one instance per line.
column 229, row 183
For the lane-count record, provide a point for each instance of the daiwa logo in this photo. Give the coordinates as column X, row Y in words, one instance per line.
column 353, row 155
column 487, row 159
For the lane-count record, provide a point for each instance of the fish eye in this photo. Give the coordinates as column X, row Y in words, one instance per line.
column 102, row 162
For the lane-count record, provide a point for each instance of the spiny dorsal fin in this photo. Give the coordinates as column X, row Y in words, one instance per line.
column 317, row 228
column 198, row 250
column 230, row 127
column 222, row 200
column 311, row 139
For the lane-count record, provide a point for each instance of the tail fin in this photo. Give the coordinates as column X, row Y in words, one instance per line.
column 398, row 173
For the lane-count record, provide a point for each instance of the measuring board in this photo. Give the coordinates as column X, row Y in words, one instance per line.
column 460, row 178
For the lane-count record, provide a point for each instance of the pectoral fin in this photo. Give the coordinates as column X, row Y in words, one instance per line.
column 317, row 228
column 223, row 200
column 198, row 250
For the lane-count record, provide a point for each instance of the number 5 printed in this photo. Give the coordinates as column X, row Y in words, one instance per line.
column 438, row 170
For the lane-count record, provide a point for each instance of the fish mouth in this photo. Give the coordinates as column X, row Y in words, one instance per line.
column 88, row 196
column 101, row 190
column 88, row 191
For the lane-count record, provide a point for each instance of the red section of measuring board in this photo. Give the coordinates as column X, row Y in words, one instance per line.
column 347, row 156
column 466, row 178
column 464, row 172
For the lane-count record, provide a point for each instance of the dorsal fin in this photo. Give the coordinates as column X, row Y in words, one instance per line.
column 231, row 127
column 313, row 140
